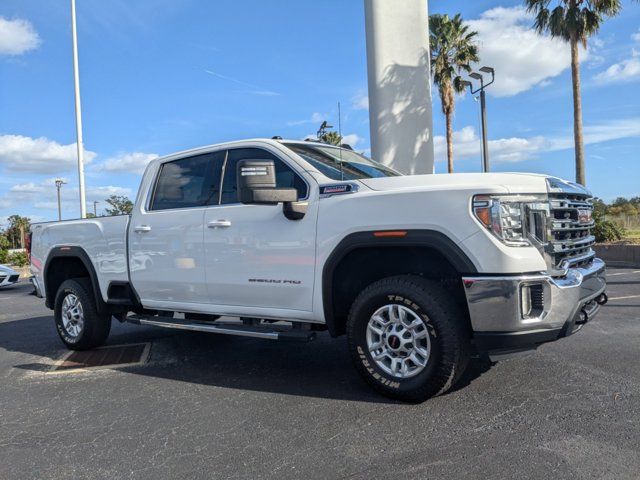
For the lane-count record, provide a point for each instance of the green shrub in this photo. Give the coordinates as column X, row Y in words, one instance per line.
column 607, row 231
column 4, row 256
column 19, row 259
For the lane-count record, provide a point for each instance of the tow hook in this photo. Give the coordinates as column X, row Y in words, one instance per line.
column 584, row 317
column 602, row 299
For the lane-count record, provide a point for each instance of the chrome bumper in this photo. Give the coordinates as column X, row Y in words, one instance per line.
column 565, row 304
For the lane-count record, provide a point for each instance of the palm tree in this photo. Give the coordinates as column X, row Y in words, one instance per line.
column 452, row 51
column 574, row 21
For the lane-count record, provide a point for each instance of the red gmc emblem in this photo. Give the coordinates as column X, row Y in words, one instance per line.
column 584, row 216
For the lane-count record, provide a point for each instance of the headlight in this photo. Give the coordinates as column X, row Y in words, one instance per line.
column 517, row 220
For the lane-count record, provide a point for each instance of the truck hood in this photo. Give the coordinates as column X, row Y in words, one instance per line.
column 509, row 182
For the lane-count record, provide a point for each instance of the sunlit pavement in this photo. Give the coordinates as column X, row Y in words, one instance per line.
column 208, row 406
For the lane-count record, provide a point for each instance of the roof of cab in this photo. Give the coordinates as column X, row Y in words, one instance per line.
column 234, row 143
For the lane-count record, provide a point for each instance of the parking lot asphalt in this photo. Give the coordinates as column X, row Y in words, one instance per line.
column 207, row 406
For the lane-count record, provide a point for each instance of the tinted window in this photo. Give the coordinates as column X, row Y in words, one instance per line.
column 285, row 176
column 339, row 163
column 188, row 182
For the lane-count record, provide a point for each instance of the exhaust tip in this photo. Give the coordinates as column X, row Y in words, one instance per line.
column 602, row 299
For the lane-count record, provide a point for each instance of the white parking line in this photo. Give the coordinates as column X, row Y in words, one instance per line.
column 624, row 298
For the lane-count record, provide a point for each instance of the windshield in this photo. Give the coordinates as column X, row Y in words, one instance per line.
column 326, row 159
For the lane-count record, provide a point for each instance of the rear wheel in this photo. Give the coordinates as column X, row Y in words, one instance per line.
column 78, row 322
column 407, row 338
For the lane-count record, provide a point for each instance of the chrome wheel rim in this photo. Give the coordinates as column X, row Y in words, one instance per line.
column 72, row 315
column 398, row 341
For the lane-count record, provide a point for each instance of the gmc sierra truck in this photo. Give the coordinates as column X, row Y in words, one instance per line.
column 280, row 239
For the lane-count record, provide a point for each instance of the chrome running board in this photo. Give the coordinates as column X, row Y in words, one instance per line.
column 267, row 332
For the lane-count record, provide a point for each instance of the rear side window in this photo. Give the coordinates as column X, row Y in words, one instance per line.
column 285, row 176
column 188, row 182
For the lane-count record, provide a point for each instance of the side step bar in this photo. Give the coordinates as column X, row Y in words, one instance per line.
column 254, row 331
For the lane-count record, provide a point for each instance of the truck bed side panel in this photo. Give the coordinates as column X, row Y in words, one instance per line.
column 103, row 239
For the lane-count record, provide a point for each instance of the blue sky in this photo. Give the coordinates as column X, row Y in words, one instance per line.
column 158, row 76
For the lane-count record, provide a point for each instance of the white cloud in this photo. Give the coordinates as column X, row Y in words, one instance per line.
column 43, row 195
column 636, row 36
column 625, row 71
column 521, row 57
column 316, row 117
column 17, row 37
column 38, row 155
column 466, row 142
column 134, row 162
column 352, row 139
column 360, row 102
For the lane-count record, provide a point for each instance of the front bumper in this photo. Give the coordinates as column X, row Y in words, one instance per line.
column 504, row 321
column 9, row 279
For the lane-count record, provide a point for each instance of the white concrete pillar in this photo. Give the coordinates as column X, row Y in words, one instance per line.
column 400, row 110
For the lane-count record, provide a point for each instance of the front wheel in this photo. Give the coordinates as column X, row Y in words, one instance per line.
column 407, row 338
column 78, row 322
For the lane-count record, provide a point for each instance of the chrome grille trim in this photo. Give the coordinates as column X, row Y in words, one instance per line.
column 570, row 241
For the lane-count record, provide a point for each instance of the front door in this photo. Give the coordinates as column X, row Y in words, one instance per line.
column 166, row 252
column 255, row 256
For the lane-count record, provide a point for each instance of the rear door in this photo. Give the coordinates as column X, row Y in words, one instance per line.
column 166, row 252
column 255, row 256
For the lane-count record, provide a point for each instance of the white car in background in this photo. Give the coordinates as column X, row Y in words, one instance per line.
column 8, row 276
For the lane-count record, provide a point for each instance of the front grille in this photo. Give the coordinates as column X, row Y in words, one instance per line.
column 14, row 278
column 570, row 228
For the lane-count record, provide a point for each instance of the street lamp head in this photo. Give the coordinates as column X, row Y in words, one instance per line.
column 487, row 70
column 466, row 83
column 476, row 76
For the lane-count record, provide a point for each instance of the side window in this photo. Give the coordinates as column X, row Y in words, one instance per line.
column 285, row 176
column 188, row 182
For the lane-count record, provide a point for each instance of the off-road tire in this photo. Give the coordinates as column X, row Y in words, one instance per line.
column 446, row 326
column 96, row 326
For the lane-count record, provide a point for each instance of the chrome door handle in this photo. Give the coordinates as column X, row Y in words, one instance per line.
column 142, row 228
column 219, row 224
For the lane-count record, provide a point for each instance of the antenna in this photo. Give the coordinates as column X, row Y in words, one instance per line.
column 340, row 144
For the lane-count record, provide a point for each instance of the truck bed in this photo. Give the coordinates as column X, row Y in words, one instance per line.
column 103, row 239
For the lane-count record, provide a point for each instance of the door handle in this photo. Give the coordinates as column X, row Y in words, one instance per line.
column 142, row 228
column 219, row 224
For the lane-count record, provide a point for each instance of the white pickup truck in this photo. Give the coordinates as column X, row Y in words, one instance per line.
column 293, row 237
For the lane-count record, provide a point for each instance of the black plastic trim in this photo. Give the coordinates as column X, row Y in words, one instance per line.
column 413, row 238
column 501, row 341
column 72, row 252
column 129, row 299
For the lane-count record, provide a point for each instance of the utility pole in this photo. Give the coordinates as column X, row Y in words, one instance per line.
column 79, row 142
column 59, row 183
column 95, row 210
column 483, row 109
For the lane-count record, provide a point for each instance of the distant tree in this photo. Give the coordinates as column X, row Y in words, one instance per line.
column 18, row 228
column 4, row 247
column 574, row 21
column 331, row 138
column 119, row 205
column 452, row 51
column 599, row 208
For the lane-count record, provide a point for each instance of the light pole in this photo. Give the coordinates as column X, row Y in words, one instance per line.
column 483, row 108
column 79, row 142
column 95, row 211
column 59, row 183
